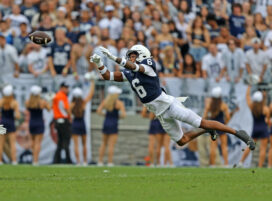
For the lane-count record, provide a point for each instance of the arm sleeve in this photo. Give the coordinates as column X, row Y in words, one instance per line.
column 149, row 71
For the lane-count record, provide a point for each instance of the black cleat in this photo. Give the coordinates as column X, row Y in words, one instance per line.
column 213, row 134
column 246, row 138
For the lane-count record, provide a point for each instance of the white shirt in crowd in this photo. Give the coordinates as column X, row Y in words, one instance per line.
column 106, row 61
column 268, row 39
column 38, row 60
column 256, row 61
column 8, row 58
column 114, row 25
column 212, row 65
column 16, row 20
column 261, row 6
column 233, row 62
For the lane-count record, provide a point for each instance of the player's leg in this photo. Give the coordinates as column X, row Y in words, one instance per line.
column 102, row 148
column 179, row 112
column 75, row 139
column 224, row 148
column 270, row 153
column 112, row 142
column 262, row 154
column 37, row 139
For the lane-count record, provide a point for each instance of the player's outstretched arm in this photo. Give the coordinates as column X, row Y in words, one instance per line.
column 105, row 73
column 123, row 62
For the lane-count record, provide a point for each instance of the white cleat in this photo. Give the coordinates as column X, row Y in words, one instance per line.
column 99, row 164
column 35, row 164
column 85, row 164
column 14, row 163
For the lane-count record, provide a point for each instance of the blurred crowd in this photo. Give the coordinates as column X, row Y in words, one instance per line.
column 220, row 39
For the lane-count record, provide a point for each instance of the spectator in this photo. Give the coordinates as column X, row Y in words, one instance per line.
column 222, row 40
column 220, row 12
column 9, row 58
column 260, row 25
column 37, row 60
column 237, row 21
column 256, row 60
column 37, row 18
column 62, row 117
column 248, row 36
column 199, row 38
column 260, row 7
column 268, row 18
column 270, row 140
column 136, row 17
column 112, row 105
column 7, row 31
column 77, row 109
column 148, row 28
column 214, row 29
column 35, row 105
column 212, row 64
column 62, row 20
column 260, row 113
column 22, row 60
column 85, row 21
column 20, row 41
column 185, row 8
column 114, row 24
column 246, row 9
column 9, row 112
column 5, row 7
column 181, row 25
column 189, row 68
column 126, row 14
column 217, row 110
column 15, row 19
column 169, row 62
column 234, row 64
column 80, row 54
column 28, row 9
column 59, row 57
column 204, row 14
column 156, row 20
column 47, row 26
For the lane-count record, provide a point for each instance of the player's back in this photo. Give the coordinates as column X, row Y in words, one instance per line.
column 147, row 87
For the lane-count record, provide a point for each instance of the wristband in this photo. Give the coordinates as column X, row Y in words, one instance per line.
column 123, row 62
column 112, row 76
column 103, row 71
column 137, row 68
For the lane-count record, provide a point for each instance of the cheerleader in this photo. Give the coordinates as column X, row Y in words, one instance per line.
column 261, row 115
column 217, row 110
column 77, row 108
column 112, row 105
column 9, row 112
column 35, row 105
column 158, row 137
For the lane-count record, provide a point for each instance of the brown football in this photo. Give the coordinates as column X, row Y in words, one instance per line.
column 39, row 37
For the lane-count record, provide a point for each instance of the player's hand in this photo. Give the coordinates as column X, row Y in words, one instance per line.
column 3, row 130
column 107, row 53
column 97, row 60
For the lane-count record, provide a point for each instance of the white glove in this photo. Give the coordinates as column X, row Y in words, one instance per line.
column 91, row 76
column 107, row 53
column 3, row 130
column 97, row 60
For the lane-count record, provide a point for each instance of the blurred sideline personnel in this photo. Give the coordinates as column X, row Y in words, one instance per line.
column 218, row 110
column 35, row 105
column 62, row 116
column 158, row 137
column 270, row 140
column 9, row 111
column 77, row 109
column 112, row 105
column 140, row 71
column 261, row 115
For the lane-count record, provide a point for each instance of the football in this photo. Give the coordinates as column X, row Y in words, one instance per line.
column 39, row 37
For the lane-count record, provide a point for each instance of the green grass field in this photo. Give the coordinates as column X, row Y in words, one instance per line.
column 68, row 183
